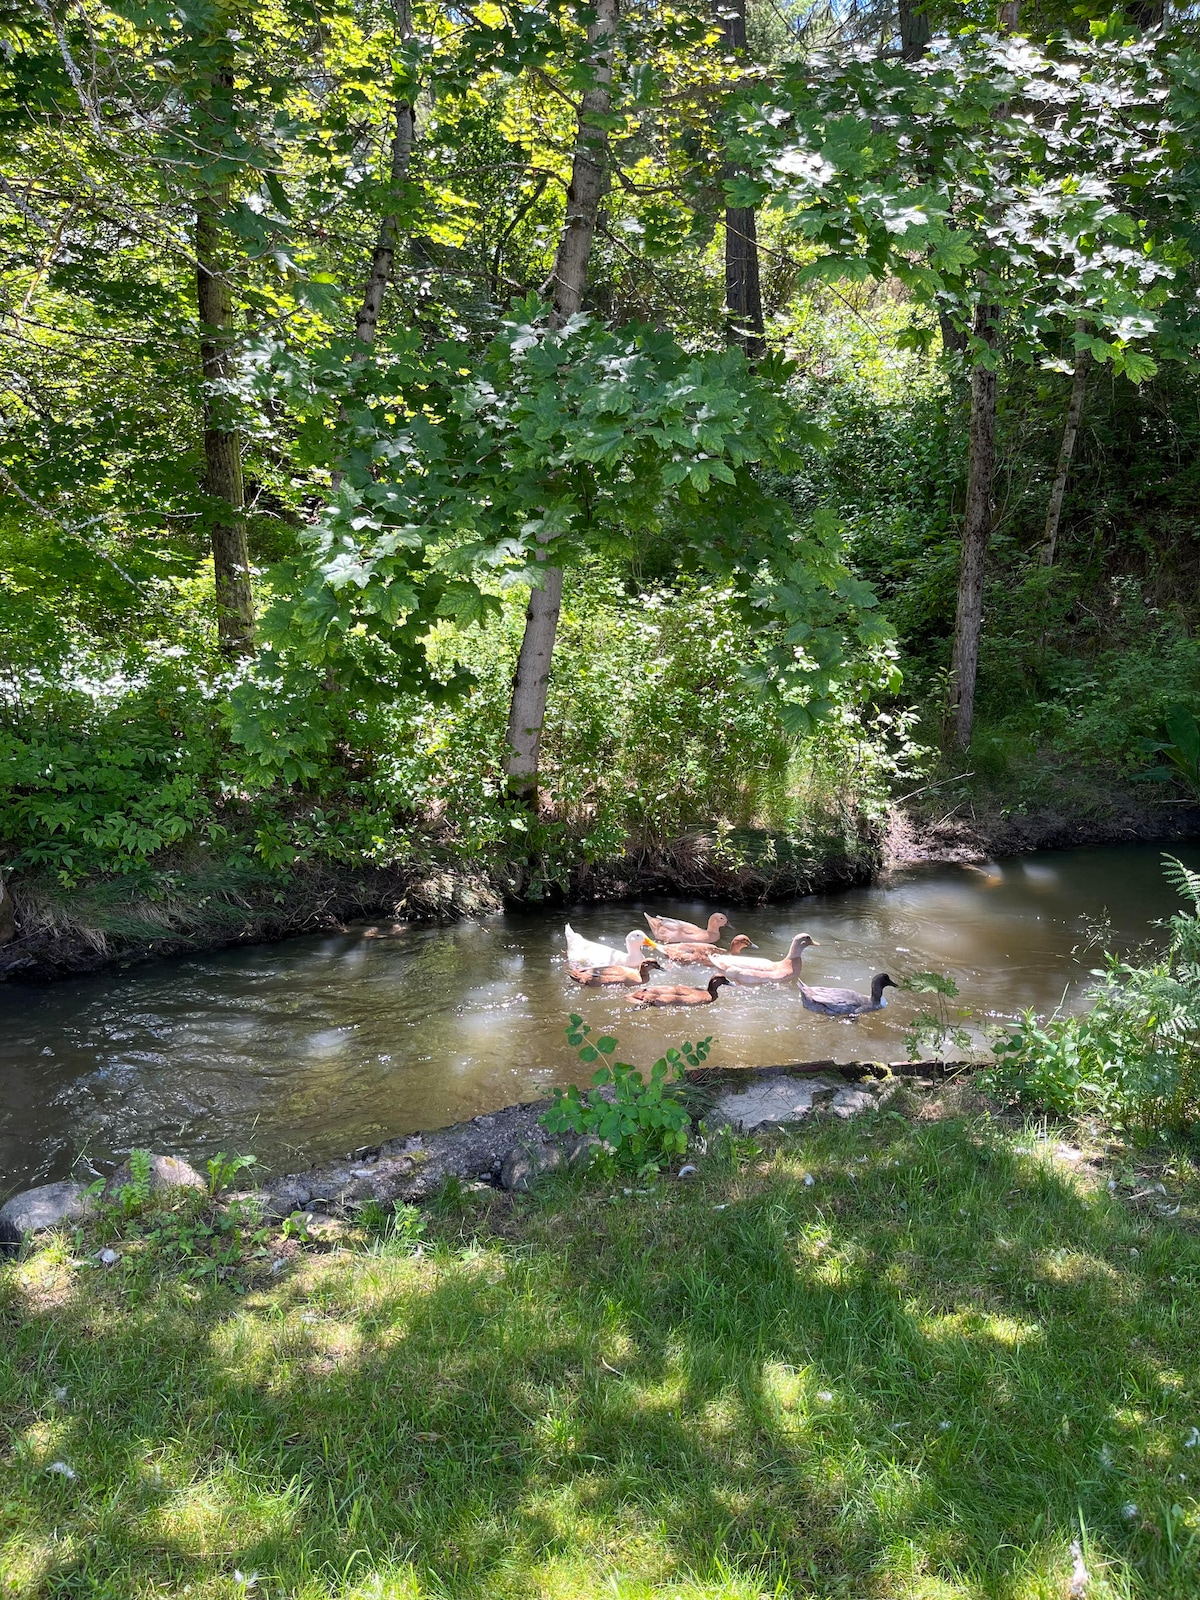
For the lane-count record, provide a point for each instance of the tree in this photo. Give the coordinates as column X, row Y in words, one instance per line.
column 567, row 282
column 743, row 292
column 1007, row 186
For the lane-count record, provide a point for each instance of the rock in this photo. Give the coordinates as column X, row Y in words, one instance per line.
column 166, row 1172
column 583, row 1151
column 46, row 1207
column 526, row 1162
column 108, row 1257
column 775, row 1100
column 852, row 1102
column 285, row 1195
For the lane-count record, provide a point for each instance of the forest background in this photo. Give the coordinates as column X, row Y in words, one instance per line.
column 458, row 450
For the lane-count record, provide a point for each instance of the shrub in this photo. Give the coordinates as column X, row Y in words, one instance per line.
column 1134, row 1058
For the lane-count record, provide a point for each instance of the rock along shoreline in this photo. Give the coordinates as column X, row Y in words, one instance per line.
column 507, row 1149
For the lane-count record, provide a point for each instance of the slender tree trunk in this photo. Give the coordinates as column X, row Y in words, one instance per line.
column 1066, row 452
column 568, row 280
column 366, row 324
column 222, row 444
column 977, row 529
column 977, row 516
column 743, row 288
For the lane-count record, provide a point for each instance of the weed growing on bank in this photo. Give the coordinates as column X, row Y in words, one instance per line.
column 878, row 1359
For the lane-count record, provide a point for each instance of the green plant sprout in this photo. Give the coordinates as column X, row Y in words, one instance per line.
column 1181, row 748
column 938, row 1025
column 640, row 1125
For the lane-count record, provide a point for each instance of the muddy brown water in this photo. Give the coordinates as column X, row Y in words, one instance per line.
column 304, row 1049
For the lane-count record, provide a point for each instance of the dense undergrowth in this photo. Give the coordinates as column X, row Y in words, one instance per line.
column 881, row 1359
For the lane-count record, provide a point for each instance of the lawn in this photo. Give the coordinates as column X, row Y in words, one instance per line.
column 883, row 1359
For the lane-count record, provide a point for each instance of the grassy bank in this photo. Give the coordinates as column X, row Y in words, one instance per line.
column 924, row 1373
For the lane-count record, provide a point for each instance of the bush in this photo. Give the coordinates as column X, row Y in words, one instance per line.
column 1134, row 1058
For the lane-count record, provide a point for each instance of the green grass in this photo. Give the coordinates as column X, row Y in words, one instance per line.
column 924, row 1374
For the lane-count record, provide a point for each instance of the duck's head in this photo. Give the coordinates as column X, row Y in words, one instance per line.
column 739, row 943
column 879, row 983
column 647, row 967
column 803, row 941
column 715, row 983
column 718, row 920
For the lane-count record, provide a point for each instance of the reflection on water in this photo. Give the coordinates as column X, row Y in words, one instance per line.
column 303, row 1049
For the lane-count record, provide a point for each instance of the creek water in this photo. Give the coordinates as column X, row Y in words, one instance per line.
column 307, row 1048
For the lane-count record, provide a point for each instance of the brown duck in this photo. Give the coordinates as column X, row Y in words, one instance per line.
column 677, row 994
column 670, row 931
column 700, row 955
column 597, row 977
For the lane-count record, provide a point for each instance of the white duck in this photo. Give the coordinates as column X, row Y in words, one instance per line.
column 583, row 952
column 753, row 969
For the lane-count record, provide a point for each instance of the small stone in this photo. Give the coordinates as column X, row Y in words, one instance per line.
column 824, row 1396
column 61, row 1469
column 687, row 1172
column 108, row 1257
column 1129, row 1510
column 1192, row 1440
column 852, row 1102
column 278, row 1264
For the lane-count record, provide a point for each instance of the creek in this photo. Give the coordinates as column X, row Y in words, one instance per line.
column 307, row 1048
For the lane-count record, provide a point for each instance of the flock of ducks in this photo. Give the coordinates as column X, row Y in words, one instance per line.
column 684, row 944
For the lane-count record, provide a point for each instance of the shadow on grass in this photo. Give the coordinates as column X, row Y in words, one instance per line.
column 924, row 1373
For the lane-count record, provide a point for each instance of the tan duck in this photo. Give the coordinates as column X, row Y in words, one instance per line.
column 700, row 955
column 598, row 977
column 671, row 931
column 846, row 1002
column 753, row 969
column 677, row 994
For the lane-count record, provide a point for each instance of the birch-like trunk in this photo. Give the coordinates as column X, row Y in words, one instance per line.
column 222, row 443
column 977, row 530
column 743, row 288
column 1066, row 451
column 568, row 280
column 383, row 259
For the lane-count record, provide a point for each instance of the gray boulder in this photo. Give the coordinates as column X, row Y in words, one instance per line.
column 166, row 1172
column 46, row 1207
column 525, row 1163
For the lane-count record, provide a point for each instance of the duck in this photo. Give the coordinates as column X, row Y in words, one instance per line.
column 588, row 953
column 671, row 931
column 753, row 969
column 847, row 1002
column 597, row 977
column 700, row 955
column 677, row 994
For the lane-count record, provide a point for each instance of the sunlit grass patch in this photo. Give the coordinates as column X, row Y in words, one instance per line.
column 925, row 1373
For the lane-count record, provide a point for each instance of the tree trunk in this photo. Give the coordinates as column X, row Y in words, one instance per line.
column 222, row 445
column 977, row 528
column 915, row 32
column 1066, row 451
column 568, row 279
column 382, row 261
column 743, row 289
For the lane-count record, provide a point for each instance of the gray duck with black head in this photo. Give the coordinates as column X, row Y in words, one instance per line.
column 846, row 1002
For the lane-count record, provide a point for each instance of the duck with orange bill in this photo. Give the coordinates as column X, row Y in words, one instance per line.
column 583, row 952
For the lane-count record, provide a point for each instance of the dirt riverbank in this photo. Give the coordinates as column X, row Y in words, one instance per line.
column 61, row 933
